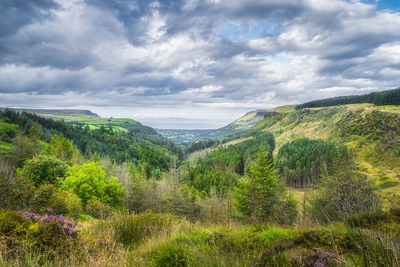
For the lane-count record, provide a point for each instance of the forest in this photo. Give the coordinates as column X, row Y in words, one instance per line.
column 71, row 195
column 304, row 161
column 388, row 97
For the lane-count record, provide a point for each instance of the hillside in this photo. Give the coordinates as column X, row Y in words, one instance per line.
column 182, row 136
column 94, row 121
column 370, row 132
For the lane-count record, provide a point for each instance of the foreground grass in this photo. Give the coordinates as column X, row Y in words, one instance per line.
column 165, row 240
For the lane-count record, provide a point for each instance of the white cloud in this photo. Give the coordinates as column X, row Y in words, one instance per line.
column 140, row 59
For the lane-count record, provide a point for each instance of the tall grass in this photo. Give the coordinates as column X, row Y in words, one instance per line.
column 375, row 249
column 131, row 230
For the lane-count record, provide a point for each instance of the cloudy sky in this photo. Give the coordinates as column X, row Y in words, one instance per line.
column 193, row 63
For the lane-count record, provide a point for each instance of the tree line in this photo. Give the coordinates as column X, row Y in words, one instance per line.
column 389, row 97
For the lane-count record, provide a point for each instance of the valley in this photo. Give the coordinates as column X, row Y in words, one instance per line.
column 275, row 188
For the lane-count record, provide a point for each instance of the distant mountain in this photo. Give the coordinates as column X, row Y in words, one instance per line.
column 60, row 112
column 248, row 120
column 184, row 136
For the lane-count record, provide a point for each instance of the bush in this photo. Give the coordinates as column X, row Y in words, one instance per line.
column 343, row 195
column 15, row 193
column 44, row 170
column 66, row 202
column 368, row 220
column 319, row 257
column 97, row 209
column 31, row 232
column 373, row 219
column 324, row 238
column 41, row 200
column 61, row 202
column 170, row 255
column 8, row 131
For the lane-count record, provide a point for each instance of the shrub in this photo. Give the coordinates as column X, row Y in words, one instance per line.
column 66, row 202
column 41, row 200
column 10, row 221
column 368, row 220
column 32, row 232
column 44, row 170
column 324, row 238
column 97, row 209
column 318, row 257
column 14, row 191
column 61, row 202
column 374, row 220
column 170, row 255
column 89, row 180
column 343, row 195
column 272, row 233
column 8, row 131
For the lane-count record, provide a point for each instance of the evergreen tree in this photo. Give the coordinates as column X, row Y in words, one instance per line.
column 262, row 195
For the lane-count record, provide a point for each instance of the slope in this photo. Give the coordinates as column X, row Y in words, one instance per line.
column 94, row 121
column 370, row 132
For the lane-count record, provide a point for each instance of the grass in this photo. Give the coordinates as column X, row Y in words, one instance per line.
column 284, row 110
column 165, row 240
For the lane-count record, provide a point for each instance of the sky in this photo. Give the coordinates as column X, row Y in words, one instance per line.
column 194, row 63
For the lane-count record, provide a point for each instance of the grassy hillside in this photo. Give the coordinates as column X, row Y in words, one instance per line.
column 94, row 121
column 370, row 132
column 244, row 123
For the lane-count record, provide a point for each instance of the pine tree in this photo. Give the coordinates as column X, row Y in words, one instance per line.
column 262, row 195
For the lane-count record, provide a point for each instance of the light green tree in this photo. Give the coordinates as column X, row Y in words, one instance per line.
column 89, row 180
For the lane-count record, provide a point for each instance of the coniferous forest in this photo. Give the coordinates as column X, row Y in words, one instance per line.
column 388, row 97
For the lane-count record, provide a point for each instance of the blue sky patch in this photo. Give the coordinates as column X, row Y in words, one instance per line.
column 250, row 31
column 385, row 4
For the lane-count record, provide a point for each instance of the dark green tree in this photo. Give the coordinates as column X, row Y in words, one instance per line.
column 44, row 170
column 263, row 196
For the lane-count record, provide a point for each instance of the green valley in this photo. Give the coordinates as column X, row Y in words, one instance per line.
column 290, row 186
